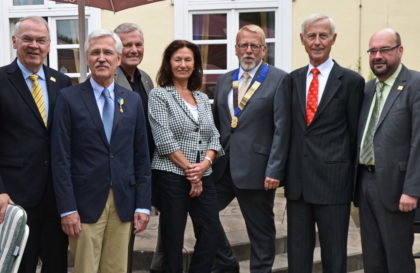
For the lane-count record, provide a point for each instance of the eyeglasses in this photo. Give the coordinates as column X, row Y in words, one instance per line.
column 30, row 40
column 254, row 47
column 382, row 50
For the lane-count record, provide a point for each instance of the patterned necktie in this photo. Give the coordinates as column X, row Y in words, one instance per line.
column 367, row 155
column 312, row 100
column 244, row 86
column 36, row 92
column 108, row 114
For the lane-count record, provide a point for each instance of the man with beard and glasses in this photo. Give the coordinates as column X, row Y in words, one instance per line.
column 319, row 183
column 388, row 180
column 252, row 112
column 100, row 162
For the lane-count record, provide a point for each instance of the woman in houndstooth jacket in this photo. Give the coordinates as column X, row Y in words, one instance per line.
column 187, row 142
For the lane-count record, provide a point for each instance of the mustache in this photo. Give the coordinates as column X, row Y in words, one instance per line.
column 105, row 64
column 379, row 61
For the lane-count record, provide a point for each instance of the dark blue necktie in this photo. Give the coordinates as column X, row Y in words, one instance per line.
column 108, row 114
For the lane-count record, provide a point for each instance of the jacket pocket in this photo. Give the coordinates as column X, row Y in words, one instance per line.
column 11, row 162
column 261, row 149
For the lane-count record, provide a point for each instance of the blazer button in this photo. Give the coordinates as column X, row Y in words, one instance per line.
column 46, row 163
column 111, row 155
column 199, row 142
column 196, row 130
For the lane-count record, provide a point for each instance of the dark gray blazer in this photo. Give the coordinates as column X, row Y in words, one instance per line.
column 121, row 80
column 258, row 147
column 397, row 139
column 322, row 156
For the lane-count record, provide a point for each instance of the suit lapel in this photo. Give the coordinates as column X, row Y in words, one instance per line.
column 227, row 87
column 369, row 95
column 200, row 106
column 301, row 90
column 52, row 90
column 392, row 96
column 18, row 81
column 119, row 93
column 88, row 98
column 181, row 103
column 331, row 88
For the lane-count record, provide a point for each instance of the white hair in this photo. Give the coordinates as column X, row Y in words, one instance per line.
column 128, row 27
column 317, row 17
column 104, row 33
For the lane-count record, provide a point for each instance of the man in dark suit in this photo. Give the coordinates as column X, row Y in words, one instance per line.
column 388, row 180
column 252, row 113
column 101, row 165
column 27, row 98
column 319, row 182
column 129, row 76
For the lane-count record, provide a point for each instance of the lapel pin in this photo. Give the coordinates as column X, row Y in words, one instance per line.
column 400, row 87
column 53, row 79
column 121, row 103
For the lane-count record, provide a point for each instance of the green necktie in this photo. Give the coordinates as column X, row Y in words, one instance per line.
column 367, row 155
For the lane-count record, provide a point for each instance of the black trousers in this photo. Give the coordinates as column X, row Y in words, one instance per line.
column 175, row 205
column 387, row 236
column 332, row 222
column 257, row 209
column 46, row 239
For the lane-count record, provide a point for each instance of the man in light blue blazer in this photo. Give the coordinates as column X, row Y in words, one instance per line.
column 101, row 165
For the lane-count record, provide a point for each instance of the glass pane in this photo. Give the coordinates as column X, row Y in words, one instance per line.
column 213, row 56
column 68, row 60
column 269, row 57
column 68, row 31
column 209, row 26
column 263, row 19
column 27, row 2
column 209, row 83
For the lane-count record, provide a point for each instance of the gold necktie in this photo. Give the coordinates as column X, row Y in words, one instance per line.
column 38, row 97
column 244, row 86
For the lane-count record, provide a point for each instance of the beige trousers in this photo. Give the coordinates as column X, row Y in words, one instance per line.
column 102, row 245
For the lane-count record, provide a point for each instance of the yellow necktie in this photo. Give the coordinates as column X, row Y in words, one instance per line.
column 244, row 86
column 38, row 97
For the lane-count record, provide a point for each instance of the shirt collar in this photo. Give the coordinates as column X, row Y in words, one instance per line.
column 390, row 81
column 97, row 88
column 137, row 75
column 323, row 68
column 26, row 72
column 251, row 73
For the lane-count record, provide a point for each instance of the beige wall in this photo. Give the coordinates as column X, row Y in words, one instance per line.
column 352, row 40
column 156, row 21
column 354, row 28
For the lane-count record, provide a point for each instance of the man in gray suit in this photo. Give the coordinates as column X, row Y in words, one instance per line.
column 319, row 183
column 252, row 113
column 128, row 75
column 388, row 183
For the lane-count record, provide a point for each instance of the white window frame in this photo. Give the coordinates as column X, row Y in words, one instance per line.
column 50, row 9
column 184, row 9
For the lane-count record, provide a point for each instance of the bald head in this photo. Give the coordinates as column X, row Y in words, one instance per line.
column 385, row 53
column 389, row 33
